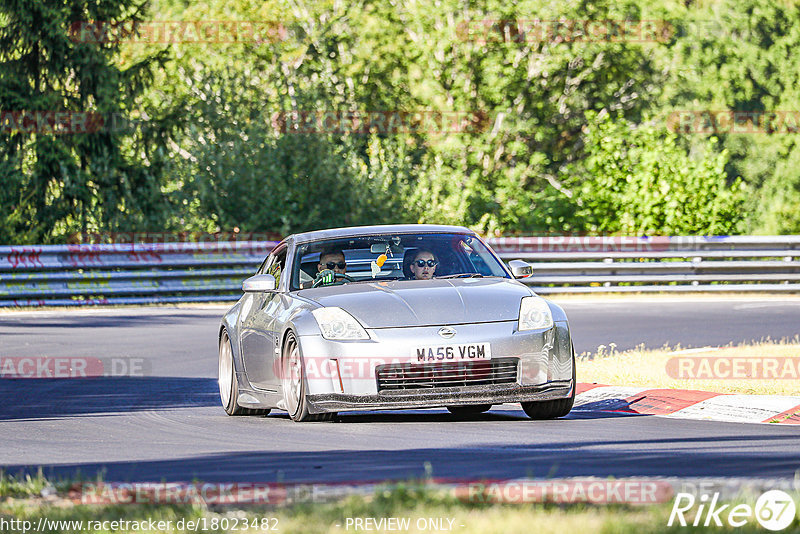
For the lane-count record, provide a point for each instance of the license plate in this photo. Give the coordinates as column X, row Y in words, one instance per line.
column 467, row 352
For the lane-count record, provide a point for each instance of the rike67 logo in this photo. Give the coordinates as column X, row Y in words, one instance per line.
column 774, row 510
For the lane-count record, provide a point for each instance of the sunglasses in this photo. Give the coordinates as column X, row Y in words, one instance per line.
column 429, row 263
column 332, row 265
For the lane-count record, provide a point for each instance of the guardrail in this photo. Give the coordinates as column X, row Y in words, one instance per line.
column 77, row 275
column 662, row 264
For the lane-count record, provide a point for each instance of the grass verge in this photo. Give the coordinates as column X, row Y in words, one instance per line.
column 663, row 368
column 425, row 508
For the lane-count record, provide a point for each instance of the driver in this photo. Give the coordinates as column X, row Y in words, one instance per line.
column 423, row 265
column 331, row 262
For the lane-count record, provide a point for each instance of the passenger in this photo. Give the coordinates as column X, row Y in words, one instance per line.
column 423, row 265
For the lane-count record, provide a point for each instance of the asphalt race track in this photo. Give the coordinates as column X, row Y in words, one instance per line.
column 658, row 322
column 168, row 425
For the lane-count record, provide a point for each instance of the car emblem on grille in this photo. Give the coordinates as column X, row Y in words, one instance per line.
column 447, row 332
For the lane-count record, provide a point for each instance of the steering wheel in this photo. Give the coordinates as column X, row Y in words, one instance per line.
column 335, row 276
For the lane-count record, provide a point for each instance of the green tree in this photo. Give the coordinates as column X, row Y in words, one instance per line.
column 535, row 88
column 62, row 183
column 741, row 55
column 234, row 165
column 211, row 157
column 639, row 180
column 371, row 55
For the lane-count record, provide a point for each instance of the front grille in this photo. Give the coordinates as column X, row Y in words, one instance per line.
column 446, row 375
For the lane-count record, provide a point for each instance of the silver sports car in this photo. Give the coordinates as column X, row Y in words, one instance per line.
column 392, row 317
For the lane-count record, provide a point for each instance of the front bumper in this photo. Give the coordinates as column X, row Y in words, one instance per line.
column 342, row 375
column 440, row 397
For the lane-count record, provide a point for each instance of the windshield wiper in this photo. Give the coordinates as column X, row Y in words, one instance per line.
column 462, row 275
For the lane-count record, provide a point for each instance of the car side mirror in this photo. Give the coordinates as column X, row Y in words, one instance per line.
column 520, row 269
column 258, row 283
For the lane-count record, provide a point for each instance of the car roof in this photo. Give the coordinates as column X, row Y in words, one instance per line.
column 358, row 231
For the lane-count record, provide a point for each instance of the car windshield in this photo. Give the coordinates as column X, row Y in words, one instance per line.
column 420, row 256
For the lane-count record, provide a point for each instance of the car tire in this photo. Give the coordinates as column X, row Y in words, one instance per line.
column 228, row 385
column 294, row 385
column 553, row 409
column 472, row 409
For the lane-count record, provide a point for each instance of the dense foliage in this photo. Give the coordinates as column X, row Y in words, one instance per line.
column 565, row 134
column 63, row 169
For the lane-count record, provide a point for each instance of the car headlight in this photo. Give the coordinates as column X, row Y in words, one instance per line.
column 534, row 314
column 337, row 324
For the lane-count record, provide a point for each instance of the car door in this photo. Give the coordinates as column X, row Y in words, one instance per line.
column 258, row 339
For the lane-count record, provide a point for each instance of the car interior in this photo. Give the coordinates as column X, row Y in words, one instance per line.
column 453, row 257
column 358, row 266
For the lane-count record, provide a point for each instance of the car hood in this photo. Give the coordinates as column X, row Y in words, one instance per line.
column 425, row 302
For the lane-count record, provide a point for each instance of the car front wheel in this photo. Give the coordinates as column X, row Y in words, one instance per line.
column 552, row 409
column 294, row 385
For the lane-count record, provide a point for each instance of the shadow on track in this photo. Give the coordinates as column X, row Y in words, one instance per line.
column 41, row 398
column 108, row 321
column 631, row 458
column 496, row 415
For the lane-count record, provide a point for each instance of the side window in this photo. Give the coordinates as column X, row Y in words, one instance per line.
column 276, row 265
column 263, row 266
